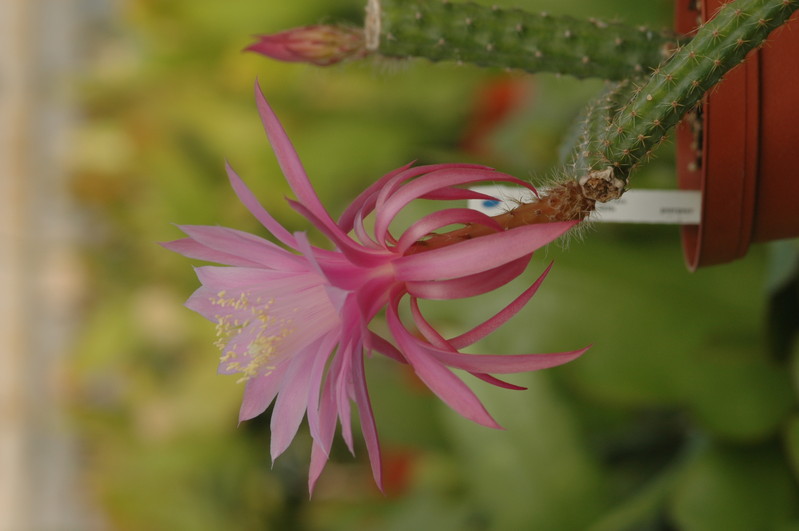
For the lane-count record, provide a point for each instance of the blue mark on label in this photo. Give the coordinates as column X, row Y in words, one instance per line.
column 490, row 203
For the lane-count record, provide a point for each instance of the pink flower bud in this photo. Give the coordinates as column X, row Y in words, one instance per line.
column 319, row 45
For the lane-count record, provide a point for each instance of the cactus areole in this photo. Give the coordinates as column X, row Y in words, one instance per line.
column 738, row 149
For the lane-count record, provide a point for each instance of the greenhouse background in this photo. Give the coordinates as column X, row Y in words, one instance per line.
column 116, row 120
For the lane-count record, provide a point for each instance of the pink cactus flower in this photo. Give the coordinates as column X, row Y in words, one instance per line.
column 293, row 320
column 319, row 45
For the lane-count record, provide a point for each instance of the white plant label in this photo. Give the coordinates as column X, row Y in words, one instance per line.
column 674, row 207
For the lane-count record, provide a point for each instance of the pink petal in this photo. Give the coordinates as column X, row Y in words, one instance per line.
column 351, row 354
column 497, row 382
column 304, row 246
column 438, row 378
column 231, row 278
column 436, row 340
column 426, row 329
column 442, row 218
column 323, row 432
column 449, row 194
column 194, row 249
column 260, row 391
column 289, row 161
column 385, row 348
column 391, row 186
column 292, row 401
column 326, row 346
column 366, row 199
column 227, row 283
column 342, row 394
column 478, row 255
column 498, row 363
column 323, row 437
column 429, row 183
column 344, row 275
column 487, row 327
column 318, row 461
column 201, row 301
column 244, row 245
column 368, row 426
column 355, row 252
column 373, row 295
column 471, row 285
column 362, row 234
column 248, row 200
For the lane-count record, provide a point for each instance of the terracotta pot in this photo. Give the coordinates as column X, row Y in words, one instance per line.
column 741, row 151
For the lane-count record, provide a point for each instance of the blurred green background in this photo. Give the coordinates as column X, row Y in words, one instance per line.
column 681, row 416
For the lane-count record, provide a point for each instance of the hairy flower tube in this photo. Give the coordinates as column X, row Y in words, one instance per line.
column 293, row 319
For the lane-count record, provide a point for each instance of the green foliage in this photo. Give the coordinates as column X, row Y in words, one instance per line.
column 735, row 489
column 520, row 478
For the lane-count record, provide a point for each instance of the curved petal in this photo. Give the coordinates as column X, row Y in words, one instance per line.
column 385, row 348
column 487, row 327
column 435, row 339
column 360, row 231
column 373, row 295
column 438, row 378
column 365, row 200
column 442, row 218
column 432, row 336
column 501, row 363
column 355, row 252
column 392, row 185
column 478, row 364
column 428, row 183
column 427, row 330
column 478, row 255
column 470, row 285
column 454, row 193
column 497, row 382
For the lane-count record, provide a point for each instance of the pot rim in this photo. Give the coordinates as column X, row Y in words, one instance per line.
column 723, row 166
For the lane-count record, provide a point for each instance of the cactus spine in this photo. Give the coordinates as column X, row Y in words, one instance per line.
column 580, row 153
column 512, row 38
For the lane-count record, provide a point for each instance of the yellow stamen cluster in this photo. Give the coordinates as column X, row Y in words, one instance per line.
column 266, row 331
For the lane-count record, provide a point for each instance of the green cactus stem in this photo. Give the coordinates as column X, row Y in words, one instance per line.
column 578, row 153
column 511, row 38
column 676, row 87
